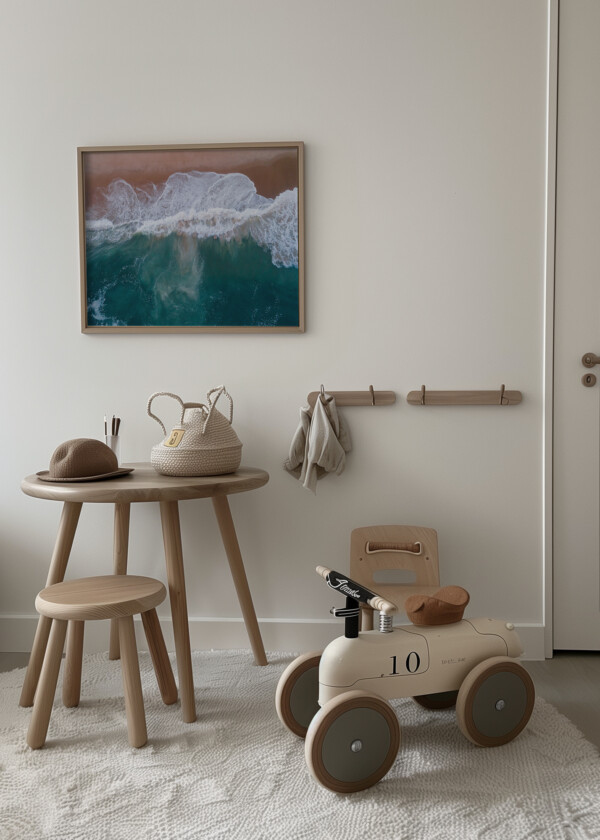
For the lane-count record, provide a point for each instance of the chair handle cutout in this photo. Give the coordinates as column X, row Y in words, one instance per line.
column 373, row 547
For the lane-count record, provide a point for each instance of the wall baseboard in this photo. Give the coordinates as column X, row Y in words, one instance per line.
column 279, row 634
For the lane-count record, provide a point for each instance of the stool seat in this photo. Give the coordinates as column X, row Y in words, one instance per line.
column 101, row 597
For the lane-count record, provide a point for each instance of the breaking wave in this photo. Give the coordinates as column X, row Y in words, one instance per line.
column 202, row 205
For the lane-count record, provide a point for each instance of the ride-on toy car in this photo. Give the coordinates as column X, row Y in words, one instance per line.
column 337, row 700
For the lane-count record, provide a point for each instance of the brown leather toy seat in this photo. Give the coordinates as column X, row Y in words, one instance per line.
column 446, row 606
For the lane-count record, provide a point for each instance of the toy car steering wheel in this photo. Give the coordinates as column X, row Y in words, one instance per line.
column 355, row 595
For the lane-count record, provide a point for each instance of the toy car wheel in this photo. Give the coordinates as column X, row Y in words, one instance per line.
column 441, row 700
column 352, row 742
column 297, row 697
column 495, row 702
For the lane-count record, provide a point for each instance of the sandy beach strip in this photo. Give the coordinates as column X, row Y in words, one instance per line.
column 272, row 170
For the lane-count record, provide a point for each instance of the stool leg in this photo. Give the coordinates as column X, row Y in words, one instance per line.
column 120, row 550
column 132, row 685
column 71, row 690
column 42, row 708
column 60, row 557
column 160, row 659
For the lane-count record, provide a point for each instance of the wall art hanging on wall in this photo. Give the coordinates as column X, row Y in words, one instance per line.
column 205, row 238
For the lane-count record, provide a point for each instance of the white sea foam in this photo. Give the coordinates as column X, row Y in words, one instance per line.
column 202, row 205
column 96, row 310
column 96, row 306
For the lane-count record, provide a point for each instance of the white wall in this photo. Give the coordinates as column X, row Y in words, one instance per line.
column 424, row 125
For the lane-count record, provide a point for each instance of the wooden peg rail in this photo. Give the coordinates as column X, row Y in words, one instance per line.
column 369, row 397
column 499, row 397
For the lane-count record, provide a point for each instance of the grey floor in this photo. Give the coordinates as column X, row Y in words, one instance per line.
column 570, row 681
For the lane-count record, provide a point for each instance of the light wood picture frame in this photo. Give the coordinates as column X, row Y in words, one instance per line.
column 192, row 238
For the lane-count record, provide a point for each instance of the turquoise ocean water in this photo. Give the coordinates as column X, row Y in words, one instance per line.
column 203, row 250
column 183, row 281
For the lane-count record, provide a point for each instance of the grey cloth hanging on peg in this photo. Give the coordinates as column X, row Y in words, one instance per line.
column 320, row 443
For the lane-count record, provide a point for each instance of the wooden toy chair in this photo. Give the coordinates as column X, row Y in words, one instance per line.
column 383, row 548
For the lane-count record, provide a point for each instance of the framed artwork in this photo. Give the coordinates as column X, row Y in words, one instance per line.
column 205, row 238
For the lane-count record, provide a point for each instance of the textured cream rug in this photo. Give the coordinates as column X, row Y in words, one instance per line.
column 238, row 774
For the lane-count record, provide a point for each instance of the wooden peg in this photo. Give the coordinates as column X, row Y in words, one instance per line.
column 370, row 397
column 502, row 397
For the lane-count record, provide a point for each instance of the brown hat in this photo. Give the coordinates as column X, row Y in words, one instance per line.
column 83, row 459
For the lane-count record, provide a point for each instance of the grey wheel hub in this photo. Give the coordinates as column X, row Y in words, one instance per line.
column 304, row 697
column 499, row 704
column 355, row 745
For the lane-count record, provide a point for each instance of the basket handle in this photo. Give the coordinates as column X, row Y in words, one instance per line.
column 164, row 394
column 212, row 402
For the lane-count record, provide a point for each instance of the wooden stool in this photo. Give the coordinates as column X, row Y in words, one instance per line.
column 89, row 599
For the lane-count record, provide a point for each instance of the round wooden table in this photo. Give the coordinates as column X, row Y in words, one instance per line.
column 144, row 484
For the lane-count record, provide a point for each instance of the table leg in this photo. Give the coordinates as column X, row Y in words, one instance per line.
column 120, row 549
column 169, row 513
column 60, row 557
column 238, row 573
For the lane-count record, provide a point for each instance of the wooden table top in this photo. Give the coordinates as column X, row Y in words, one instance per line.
column 144, row 484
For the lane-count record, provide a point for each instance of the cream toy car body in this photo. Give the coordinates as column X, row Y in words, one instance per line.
column 337, row 700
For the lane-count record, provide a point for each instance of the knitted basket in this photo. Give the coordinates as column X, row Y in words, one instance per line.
column 204, row 442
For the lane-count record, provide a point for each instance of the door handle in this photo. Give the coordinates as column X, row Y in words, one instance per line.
column 590, row 359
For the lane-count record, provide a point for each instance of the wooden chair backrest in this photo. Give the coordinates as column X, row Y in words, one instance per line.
column 378, row 548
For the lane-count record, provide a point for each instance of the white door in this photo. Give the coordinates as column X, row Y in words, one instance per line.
column 577, row 331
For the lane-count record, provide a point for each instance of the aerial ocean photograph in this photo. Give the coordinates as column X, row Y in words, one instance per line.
column 194, row 237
